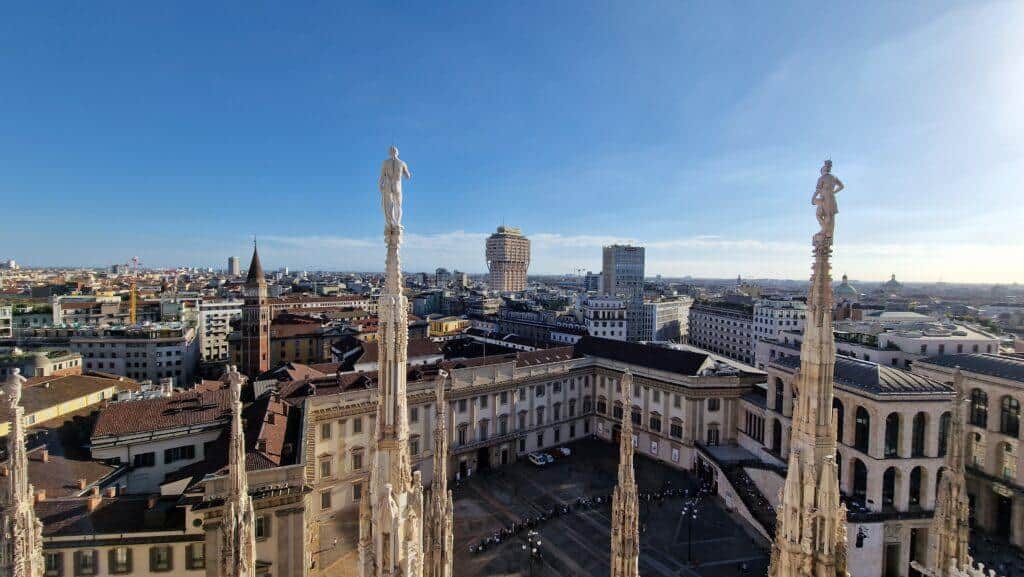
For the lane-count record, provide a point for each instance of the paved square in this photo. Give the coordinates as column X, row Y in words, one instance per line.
column 578, row 543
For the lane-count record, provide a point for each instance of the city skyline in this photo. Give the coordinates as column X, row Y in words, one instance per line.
column 626, row 126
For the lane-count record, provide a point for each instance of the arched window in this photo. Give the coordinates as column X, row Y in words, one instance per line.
column 916, row 481
column 944, row 423
column 588, row 403
column 862, row 430
column 713, row 434
column 892, row 434
column 837, row 405
column 860, row 481
column 617, row 411
column 938, row 479
column 1007, row 461
column 889, row 487
column 979, row 408
column 778, row 394
column 917, row 440
column 572, row 407
column 1009, row 417
column 602, row 405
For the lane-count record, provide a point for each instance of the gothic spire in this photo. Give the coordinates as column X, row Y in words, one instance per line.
column 21, row 555
column 810, row 537
column 255, row 274
column 238, row 537
column 625, row 526
column 391, row 531
column 949, row 530
column 439, row 553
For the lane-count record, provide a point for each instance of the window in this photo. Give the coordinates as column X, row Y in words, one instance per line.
column 1009, row 416
column 182, row 453
column 602, row 406
column 714, row 404
column 503, row 397
column 414, row 445
column 262, row 528
column 195, row 556
column 522, row 445
column 779, row 388
column 462, row 405
column 539, row 391
column 677, row 401
column 556, row 411
column 357, row 460
column 1007, row 461
column 483, row 401
column 522, row 420
column 572, row 430
column 654, row 447
column 558, row 434
column 161, row 559
column 540, row 439
column 862, row 430
column 977, row 449
column 503, row 425
column 676, row 429
column 712, row 434
column 636, row 417
column 979, row 408
column 892, row 434
column 414, row 414
column 556, row 387
column 325, row 468
column 572, row 407
column 86, row 562
column 120, row 560
column 617, row 411
column 655, row 422
column 917, row 442
column 142, row 460
column 357, row 492
column 53, row 564
column 461, row 434
column 357, row 425
column 675, row 454
column 540, row 415
column 325, row 500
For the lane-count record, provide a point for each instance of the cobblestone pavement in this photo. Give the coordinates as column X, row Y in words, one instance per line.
column 578, row 543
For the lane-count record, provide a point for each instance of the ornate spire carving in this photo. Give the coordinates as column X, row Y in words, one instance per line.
column 625, row 511
column 440, row 536
column 238, row 533
column 810, row 537
column 391, row 524
column 21, row 554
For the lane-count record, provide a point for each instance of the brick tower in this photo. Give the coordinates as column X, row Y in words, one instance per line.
column 255, row 321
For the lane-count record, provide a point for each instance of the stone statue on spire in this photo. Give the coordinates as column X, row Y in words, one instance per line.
column 392, row 172
column 625, row 555
column 825, row 199
column 22, row 552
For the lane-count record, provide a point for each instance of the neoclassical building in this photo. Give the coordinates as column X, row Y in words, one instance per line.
column 994, row 390
column 889, row 423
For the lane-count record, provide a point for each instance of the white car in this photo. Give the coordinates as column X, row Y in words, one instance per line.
column 547, row 457
column 565, row 451
column 537, row 459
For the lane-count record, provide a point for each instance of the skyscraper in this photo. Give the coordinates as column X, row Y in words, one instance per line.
column 508, row 257
column 622, row 274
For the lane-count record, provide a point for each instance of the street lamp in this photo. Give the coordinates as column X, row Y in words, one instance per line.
column 532, row 548
column 689, row 512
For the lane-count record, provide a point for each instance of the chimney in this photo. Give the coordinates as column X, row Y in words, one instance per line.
column 93, row 502
column 81, row 484
column 44, row 455
column 40, row 495
column 111, row 491
column 95, row 492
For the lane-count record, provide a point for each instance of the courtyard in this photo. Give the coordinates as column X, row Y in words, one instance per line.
column 577, row 543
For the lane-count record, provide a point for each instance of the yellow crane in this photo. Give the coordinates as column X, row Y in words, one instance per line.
column 133, row 293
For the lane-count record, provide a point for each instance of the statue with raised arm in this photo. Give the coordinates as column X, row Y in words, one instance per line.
column 825, row 199
column 390, row 183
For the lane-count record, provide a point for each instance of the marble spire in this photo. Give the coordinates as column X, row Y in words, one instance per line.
column 625, row 507
column 21, row 554
column 948, row 534
column 810, row 536
column 440, row 537
column 391, row 518
column 238, row 536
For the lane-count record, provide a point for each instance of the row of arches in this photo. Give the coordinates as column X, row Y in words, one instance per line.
column 894, row 424
column 1009, row 412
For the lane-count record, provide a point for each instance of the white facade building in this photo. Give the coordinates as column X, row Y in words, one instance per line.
column 723, row 328
column 669, row 319
column 6, row 322
column 141, row 352
column 214, row 326
column 606, row 317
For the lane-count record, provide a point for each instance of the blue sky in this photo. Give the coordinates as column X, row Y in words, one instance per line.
column 176, row 131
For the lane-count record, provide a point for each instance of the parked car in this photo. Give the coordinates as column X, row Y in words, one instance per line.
column 565, row 451
column 537, row 459
column 548, row 457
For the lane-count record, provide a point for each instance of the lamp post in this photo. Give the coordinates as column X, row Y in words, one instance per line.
column 532, row 548
column 689, row 512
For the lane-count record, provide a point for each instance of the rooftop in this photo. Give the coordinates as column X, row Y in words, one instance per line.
column 45, row 392
column 874, row 378
column 1003, row 366
column 182, row 410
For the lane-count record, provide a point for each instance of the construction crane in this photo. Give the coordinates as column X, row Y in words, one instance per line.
column 133, row 296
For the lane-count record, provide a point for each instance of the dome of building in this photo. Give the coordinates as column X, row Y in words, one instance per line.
column 892, row 285
column 846, row 291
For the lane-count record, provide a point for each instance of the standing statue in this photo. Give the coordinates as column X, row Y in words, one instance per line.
column 825, row 199
column 390, row 183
